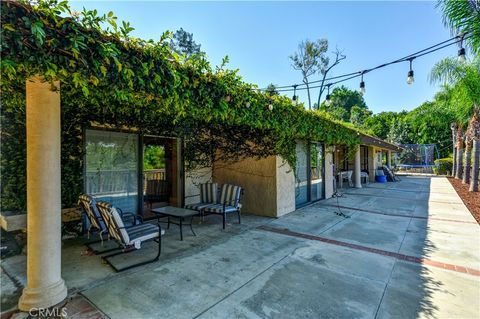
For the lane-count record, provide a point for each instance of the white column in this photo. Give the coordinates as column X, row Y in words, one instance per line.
column 389, row 158
column 45, row 286
column 357, row 169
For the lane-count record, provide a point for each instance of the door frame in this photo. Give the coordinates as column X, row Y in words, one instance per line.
column 180, row 161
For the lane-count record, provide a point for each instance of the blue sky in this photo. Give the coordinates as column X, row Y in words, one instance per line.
column 260, row 36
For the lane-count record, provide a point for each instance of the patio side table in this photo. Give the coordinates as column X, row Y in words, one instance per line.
column 178, row 213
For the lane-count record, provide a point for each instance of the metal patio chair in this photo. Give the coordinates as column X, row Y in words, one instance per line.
column 96, row 222
column 129, row 238
column 208, row 197
column 229, row 202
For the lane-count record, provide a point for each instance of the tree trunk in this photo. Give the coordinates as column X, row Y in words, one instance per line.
column 466, row 169
column 475, row 166
column 454, row 163
column 459, row 164
column 308, row 93
column 453, row 126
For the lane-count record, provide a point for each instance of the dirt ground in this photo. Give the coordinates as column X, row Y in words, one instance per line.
column 470, row 199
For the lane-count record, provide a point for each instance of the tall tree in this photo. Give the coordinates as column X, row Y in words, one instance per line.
column 342, row 100
column 463, row 16
column 475, row 135
column 183, row 43
column 271, row 90
column 326, row 68
column 358, row 115
column 309, row 59
column 379, row 124
column 465, row 80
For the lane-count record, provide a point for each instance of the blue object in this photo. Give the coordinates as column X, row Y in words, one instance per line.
column 381, row 179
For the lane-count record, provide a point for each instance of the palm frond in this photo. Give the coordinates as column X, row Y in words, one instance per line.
column 463, row 16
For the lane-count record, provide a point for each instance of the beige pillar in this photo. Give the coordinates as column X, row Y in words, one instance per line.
column 45, row 286
column 357, row 169
column 372, row 166
column 389, row 158
column 329, row 177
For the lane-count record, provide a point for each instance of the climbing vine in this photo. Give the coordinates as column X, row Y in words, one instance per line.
column 111, row 78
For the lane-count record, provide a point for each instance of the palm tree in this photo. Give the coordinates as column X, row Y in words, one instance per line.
column 459, row 162
column 463, row 16
column 468, row 155
column 464, row 79
column 475, row 134
column 454, row 128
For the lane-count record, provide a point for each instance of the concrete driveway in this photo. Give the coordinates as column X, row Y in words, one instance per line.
column 408, row 249
column 405, row 250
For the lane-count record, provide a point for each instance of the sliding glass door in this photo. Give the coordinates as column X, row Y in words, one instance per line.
column 111, row 168
column 309, row 184
column 316, row 169
column 302, row 175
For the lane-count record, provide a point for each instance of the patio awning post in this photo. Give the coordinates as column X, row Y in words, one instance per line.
column 357, row 169
column 45, row 286
column 389, row 158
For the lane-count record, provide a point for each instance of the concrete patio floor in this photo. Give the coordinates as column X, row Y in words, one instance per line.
column 408, row 249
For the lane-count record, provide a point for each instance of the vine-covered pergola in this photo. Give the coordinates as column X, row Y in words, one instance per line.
column 62, row 70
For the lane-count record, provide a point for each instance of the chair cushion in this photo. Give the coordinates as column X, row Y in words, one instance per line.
column 140, row 233
column 114, row 222
column 198, row 206
column 218, row 208
column 89, row 205
column 209, row 193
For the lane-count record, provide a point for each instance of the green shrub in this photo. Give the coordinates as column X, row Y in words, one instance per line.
column 444, row 166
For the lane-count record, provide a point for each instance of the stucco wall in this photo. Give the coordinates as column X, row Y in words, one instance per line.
column 329, row 189
column 285, row 187
column 257, row 177
column 268, row 191
column 192, row 180
column 372, row 163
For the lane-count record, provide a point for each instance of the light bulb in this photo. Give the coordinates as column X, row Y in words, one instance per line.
column 270, row 107
column 294, row 99
column 327, row 100
column 410, row 79
column 461, row 55
column 248, row 105
column 362, row 88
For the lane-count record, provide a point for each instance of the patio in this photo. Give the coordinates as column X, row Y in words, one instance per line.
column 405, row 250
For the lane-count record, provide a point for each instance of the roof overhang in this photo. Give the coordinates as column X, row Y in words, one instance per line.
column 377, row 142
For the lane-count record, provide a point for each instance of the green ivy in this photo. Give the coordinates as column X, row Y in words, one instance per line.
column 111, row 78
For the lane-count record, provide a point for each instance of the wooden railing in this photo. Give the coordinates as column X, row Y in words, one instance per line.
column 111, row 181
column 119, row 181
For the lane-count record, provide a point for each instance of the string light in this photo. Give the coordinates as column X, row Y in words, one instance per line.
column 270, row 107
column 348, row 76
column 362, row 85
column 327, row 98
column 410, row 79
column 295, row 97
column 461, row 52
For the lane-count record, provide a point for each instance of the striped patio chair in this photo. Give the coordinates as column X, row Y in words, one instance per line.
column 229, row 202
column 88, row 206
column 129, row 238
column 208, row 197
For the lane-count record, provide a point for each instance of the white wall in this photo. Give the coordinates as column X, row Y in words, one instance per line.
column 329, row 178
column 285, row 187
column 192, row 180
